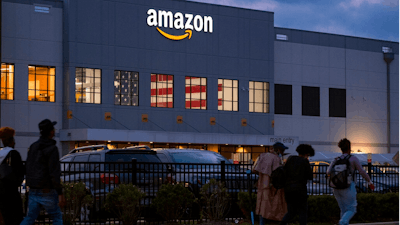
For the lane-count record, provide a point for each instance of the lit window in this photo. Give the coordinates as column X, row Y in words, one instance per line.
column 258, row 97
column 162, row 91
column 7, row 81
column 227, row 95
column 196, row 93
column 88, row 85
column 126, row 88
column 42, row 81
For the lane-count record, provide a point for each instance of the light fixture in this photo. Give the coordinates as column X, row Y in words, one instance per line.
column 261, row 145
column 151, row 142
column 109, row 141
column 129, row 143
column 189, row 143
column 226, row 144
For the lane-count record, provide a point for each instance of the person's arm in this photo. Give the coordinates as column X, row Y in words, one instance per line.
column 18, row 167
column 357, row 165
column 328, row 171
column 308, row 171
column 55, row 170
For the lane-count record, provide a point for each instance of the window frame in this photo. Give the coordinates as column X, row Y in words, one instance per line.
column 190, row 99
column 157, row 96
column 48, row 76
column 94, row 87
column 266, row 104
column 7, row 74
column 232, row 94
column 307, row 104
column 332, row 101
column 131, row 83
column 277, row 104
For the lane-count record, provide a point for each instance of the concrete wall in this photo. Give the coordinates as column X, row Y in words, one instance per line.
column 31, row 38
column 115, row 36
column 333, row 61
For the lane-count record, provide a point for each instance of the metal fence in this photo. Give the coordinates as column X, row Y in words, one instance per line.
column 102, row 178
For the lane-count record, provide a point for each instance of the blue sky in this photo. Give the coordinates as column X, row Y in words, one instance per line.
column 377, row 19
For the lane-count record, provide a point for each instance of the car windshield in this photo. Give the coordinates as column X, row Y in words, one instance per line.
column 127, row 157
column 200, row 157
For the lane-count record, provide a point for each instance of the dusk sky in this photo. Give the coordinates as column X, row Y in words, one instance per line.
column 377, row 19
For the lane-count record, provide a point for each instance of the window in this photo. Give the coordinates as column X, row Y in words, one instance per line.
column 195, row 93
column 42, row 81
column 126, row 88
column 227, row 95
column 337, row 102
column 88, row 85
column 7, row 81
column 162, row 91
column 310, row 101
column 258, row 97
column 283, row 99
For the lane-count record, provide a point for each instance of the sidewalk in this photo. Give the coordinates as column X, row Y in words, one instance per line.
column 383, row 223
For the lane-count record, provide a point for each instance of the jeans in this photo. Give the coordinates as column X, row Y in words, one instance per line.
column 347, row 200
column 49, row 201
column 300, row 207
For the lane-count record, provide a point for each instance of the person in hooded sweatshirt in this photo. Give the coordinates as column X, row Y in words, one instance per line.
column 43, row 173
column 11, row 176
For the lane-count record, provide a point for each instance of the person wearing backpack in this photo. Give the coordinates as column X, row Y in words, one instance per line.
column 12, row 173
column 341, row 177
column 297, row 172
column 271, row 203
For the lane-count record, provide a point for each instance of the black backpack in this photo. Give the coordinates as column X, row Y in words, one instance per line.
column 278, row 177
column 340, row 176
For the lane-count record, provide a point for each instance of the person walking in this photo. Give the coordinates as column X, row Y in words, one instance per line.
column 298, row 171
column 12, row 173
column 271, row 203
column 43, row 176
column 347, row 197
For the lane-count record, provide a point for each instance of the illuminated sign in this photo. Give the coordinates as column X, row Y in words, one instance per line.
column 179, row 21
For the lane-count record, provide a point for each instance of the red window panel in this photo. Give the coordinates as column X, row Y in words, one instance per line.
column 195, row 89
column 196, row 103
column 219, row 101
column 161, row 91
column 219, row 87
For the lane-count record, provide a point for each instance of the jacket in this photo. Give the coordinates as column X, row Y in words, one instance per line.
column 298, row 171
column 43, row 168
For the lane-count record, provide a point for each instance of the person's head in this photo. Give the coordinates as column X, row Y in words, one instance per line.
column 46, row 128
column 7, row 136
column 305, row 150
column 279, row 148
column 345, row 145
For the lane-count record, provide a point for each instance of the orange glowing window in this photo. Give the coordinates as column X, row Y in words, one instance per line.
column 88, row 85
column 7, row 81
column 41, row 83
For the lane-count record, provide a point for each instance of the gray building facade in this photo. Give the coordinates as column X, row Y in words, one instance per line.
column 185, row 74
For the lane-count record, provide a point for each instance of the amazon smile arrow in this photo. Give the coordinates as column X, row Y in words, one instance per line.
column 176, row 37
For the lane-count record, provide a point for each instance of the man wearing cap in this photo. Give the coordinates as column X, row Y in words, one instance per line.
column 271, row 202
column 43, row 176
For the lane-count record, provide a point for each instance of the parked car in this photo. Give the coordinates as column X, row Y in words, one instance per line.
column 195, row 167
column 102, row 170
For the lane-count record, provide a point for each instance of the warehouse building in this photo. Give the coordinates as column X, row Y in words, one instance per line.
column 182, row 74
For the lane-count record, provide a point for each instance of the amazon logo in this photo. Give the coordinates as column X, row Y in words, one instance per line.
column 179, row 21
